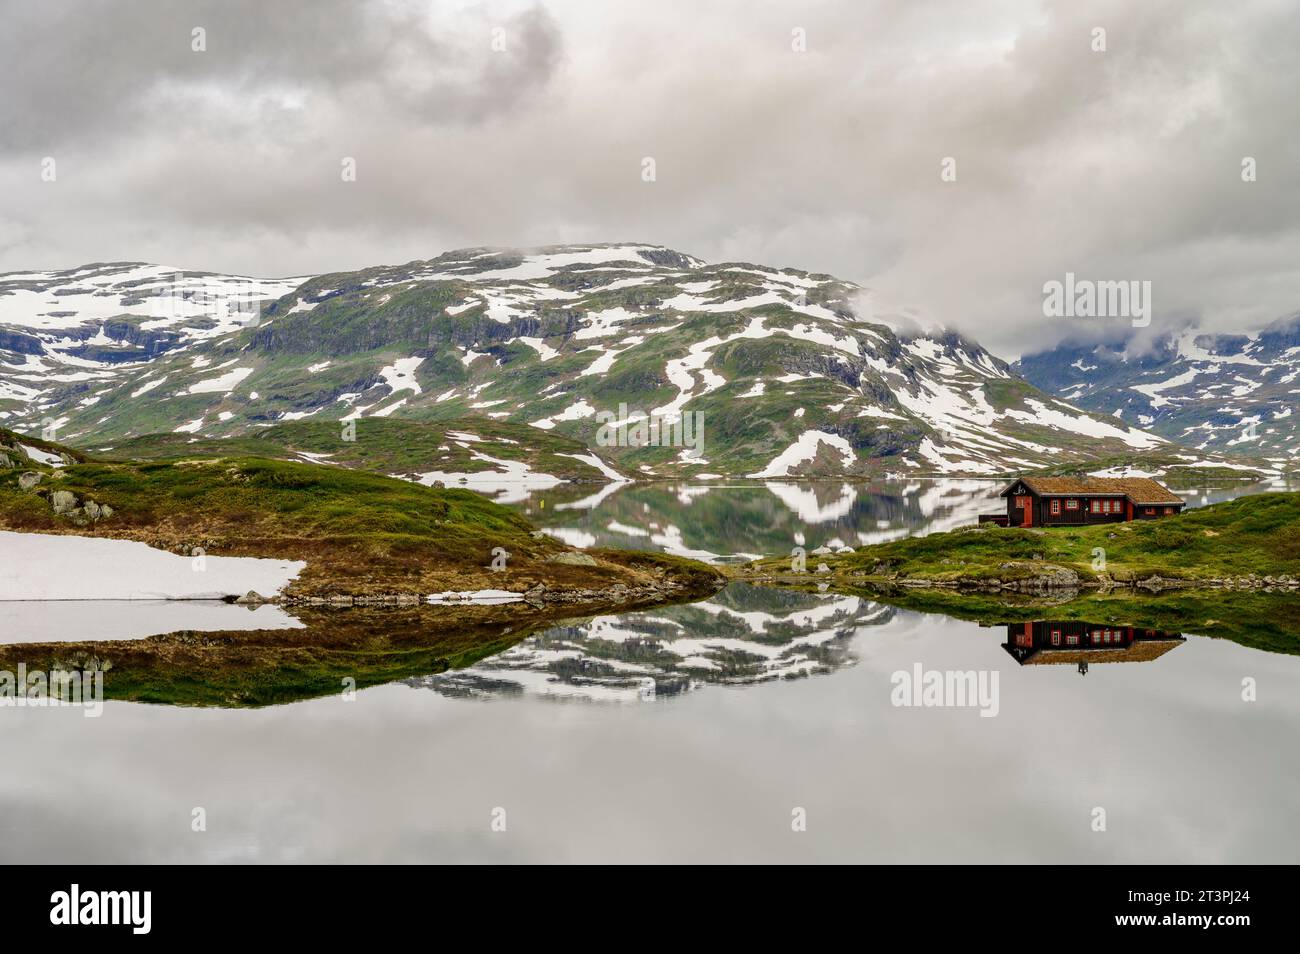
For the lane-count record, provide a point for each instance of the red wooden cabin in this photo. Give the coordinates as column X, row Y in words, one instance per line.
column 1080, row 501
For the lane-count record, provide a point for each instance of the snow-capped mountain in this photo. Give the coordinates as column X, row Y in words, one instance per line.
column 1234, row 394
column 660, row 363
column 86, row 330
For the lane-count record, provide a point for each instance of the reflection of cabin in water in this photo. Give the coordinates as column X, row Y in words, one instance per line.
column 1045, row 642
column 1079, row 501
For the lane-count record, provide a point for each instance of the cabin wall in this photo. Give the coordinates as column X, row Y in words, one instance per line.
column 1093, row 518
column 1083, row 517
column 1066, row 518
column 1041, row 512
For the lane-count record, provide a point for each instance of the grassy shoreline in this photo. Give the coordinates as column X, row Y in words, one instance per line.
column 1246, row 542
column 361, row 534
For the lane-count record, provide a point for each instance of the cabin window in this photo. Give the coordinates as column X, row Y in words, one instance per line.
column 1096, row 506
column 1114, row 506
column 1169, row 510
column 1072, row 640
column 1056, row 637
column 1072, row 505
column 1148, row 510
column 1056, row 506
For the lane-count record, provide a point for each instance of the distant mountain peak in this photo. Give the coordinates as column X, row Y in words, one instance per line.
column 791, row 372
column 1213, row 391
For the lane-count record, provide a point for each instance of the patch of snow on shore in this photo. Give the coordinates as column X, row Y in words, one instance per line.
column 41, row 457
column 58, row 567
column 511, row 481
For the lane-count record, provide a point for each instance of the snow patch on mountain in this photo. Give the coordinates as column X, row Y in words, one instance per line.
column 804, row 449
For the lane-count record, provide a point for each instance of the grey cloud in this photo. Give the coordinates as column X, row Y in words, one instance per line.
column 1117, row 165
column 100, row 70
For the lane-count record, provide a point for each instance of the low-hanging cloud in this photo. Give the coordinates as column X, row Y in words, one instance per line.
column 521, row 123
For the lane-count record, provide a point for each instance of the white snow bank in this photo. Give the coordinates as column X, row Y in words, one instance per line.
column 221, row 385
column 544, row 351
column 574, row 412
column 400, row 375
column 51, row 567
column 510, row 480
column 805, row 449
column 600, row 465
column 40, row 456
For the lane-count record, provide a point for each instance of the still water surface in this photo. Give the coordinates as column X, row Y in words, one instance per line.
column 692, row 733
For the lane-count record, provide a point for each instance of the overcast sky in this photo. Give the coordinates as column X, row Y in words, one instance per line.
column 1123, row 164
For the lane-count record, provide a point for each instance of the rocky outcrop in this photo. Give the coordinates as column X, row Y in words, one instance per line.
column 20, row 343
column 82, row 661
column 1055, row 578
column 65, row 503
column 572, row 559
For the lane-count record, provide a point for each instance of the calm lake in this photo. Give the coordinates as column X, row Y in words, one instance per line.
column 758, row 725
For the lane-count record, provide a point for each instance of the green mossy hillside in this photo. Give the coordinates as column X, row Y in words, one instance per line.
column 360, row 533
column 391, row 446
column 1257, row 534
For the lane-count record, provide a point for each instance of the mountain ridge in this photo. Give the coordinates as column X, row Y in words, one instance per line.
column 1226, row 393
column 792, row 373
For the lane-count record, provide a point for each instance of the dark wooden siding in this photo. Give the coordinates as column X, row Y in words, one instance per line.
column 1041, row 510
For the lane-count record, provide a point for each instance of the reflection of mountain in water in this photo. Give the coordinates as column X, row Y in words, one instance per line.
column 744, row 635
column 1047, row 642
column 743, row 521
column 737, row 520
